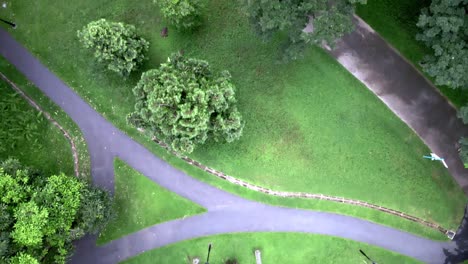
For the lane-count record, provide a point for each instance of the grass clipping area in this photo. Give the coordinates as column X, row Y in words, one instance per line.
column 274, row 247
column 140, row 203
column 310, row 125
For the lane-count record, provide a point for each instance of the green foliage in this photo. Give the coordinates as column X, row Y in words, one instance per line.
column 305, row 21
column 463, row 150
column 23, row 258
column 94, row 212
column 115, row 44
column 43, row 214
column 463, row 114
column 4, row 244
column 30, row 224
column 16, row 125
column 184, row 104
column 445, row 30
column 184, row 14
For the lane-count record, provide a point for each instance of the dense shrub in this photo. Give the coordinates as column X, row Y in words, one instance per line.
column 115, row 44
column 184, row 103
column 184, row 14
column 40, row 215
column 445, row 30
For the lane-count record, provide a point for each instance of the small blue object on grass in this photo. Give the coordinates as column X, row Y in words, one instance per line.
column 434, row 156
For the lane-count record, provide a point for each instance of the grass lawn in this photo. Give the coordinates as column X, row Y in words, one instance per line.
column 58, row 144
column 396, row 21
column 51, row 153
column 310, row 125
column 139, row 203
column 274, row 247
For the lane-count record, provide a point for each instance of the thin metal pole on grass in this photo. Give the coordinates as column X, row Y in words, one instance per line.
column 364, row 254
column 13, row 25
column 208, row 257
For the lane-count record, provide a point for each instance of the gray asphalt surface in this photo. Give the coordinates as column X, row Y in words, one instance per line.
column 226, row 212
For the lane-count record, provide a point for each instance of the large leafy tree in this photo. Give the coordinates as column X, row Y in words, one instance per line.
column 184, row 103
column 115, row 44
column 41, row 215
column 445, row 30
column 184, row 14
column 305, row 21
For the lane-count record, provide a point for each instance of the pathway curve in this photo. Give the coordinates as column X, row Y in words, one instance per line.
column 226, row 212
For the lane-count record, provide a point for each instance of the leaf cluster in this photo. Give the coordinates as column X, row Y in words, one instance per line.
column 304, row 21
column 41, row 215
column 184, row 14
column 114, row 43
column 444, row 27
column 184, row 103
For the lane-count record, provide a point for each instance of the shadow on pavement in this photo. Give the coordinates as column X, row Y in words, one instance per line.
column 460, row 253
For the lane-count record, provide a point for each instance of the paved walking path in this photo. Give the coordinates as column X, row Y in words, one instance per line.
column 406, row 92
column 226, row 212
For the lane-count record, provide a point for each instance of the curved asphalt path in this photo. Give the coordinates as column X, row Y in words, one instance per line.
column 226, row 212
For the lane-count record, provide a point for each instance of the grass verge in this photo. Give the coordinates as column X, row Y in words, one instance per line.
column 139, row 203
column 45, row 148
column 60, row 145
column 274, row 247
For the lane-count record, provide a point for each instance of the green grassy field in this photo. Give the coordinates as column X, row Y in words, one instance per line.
column 396, row 21
column 51, row 153
column 139, row 203
column 58, row 143
column 274, row 247
column 310, row 126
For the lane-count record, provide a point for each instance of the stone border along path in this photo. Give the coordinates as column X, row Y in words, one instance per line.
column 257, row 188
column 226, row 212
column 15, row 87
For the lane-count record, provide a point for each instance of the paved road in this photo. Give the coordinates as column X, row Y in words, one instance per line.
column 406, row 92
column 226, row 212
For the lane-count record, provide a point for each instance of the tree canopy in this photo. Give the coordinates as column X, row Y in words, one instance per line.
column 305, row 21
column 41, row 215
column 184, row 14
column 445, row 30
column 115, row 44
column 184, row 103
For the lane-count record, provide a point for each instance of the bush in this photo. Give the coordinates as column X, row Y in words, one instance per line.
column 463, row 151
column 115, row 44
column 184, row 103
column 184, row 14
column 41, row 215
column 445, row 30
